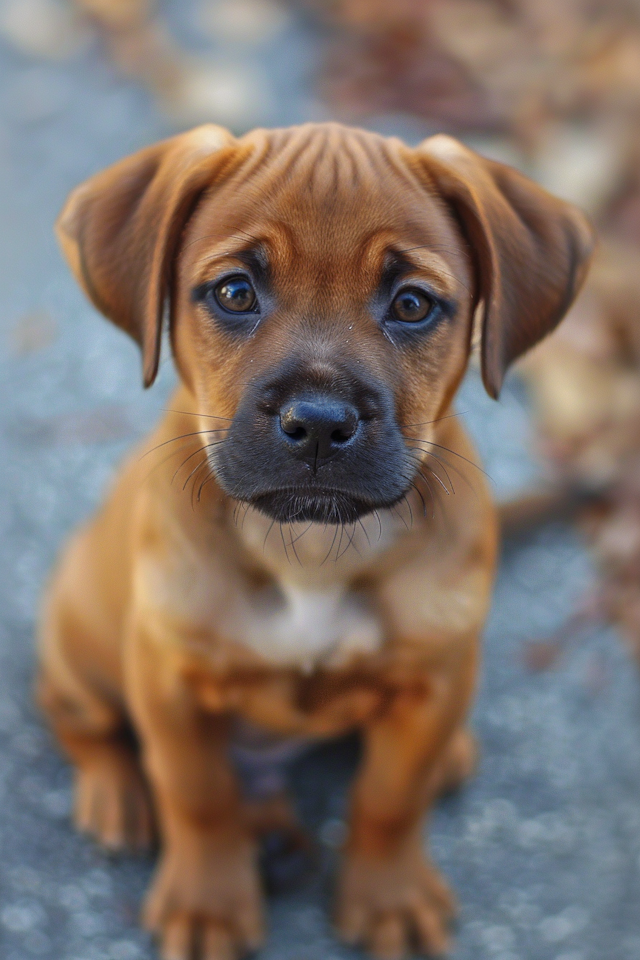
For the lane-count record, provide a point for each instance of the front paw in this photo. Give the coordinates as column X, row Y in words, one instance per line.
column 205, row 902
column 394, row 905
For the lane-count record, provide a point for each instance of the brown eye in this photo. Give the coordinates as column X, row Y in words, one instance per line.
column 412, row 305
column 236, row 294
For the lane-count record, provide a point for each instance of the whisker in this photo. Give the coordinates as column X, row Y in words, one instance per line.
column 207, row 446
column 396, row 511
column 425, row 423
column 445, row 466
column 306, row 530
column 453, row 453
column 432, row 495
column 328, row 554
column 435, row 475
column 339, row 541
column 266, row 536
column 352, row 540
column 377, row 516
column 452, row 466
column 207, row 472
column 189, row 413
column 183, row 436
column 284, row 545
column 364, row 530
column 409, row 480
column 350, row 543
column 436, row 496
column 292, row 544
column 404, row 497
column 195, row 470
column 424, row 506
column 156, row 466
column 204, row 483
column 193, row 454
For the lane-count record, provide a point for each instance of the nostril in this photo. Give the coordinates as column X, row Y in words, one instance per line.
column 342, row 434
column 345, row 427
column 294, row 433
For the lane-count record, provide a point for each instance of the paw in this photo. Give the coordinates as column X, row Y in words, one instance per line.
column 112, row 801
column 394, row 906
column 205, row 902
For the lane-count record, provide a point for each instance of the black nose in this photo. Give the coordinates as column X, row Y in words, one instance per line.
column 317, row 429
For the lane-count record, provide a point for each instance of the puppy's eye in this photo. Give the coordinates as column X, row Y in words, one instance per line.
column 236, row 294
column 411, row 305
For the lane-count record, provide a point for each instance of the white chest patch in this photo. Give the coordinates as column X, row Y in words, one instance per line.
column 307, row 627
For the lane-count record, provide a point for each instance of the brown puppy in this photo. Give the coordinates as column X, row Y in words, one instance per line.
column 321, row 285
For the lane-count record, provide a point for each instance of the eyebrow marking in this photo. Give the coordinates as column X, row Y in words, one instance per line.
column 256, row 261
column 398, row 264
column 254, row 258
column 395, row 267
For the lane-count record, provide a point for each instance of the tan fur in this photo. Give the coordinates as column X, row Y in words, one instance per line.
column 176, row 608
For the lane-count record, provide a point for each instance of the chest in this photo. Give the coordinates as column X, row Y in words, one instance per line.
column 304, row 627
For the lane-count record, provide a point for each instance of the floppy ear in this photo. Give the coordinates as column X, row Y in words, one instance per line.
column 531, row 250
column 120, row 229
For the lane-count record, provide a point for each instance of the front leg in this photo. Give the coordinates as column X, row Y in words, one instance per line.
column 390, row 897
column 205, row 902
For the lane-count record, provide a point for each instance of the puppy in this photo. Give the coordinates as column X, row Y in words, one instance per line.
column 309, row 570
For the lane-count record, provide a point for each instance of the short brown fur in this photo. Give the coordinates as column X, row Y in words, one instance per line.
column 156, row 621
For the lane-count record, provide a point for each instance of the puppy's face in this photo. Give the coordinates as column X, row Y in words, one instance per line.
column 322, row 283
column 327, row 322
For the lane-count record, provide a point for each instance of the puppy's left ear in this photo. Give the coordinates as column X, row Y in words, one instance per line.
column 531, row 251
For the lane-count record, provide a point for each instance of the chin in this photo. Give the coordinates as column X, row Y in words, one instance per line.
column 328, row 507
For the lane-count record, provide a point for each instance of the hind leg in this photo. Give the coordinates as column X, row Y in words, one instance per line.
column 112, row 801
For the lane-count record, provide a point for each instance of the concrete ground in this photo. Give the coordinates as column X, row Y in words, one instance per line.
column 543, row 847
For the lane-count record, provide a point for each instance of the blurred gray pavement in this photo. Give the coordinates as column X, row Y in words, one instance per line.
column 543, row 847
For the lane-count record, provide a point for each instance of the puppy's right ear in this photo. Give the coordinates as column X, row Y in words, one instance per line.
column 120, row 230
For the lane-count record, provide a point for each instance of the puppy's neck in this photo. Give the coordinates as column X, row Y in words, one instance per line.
column 316, row 556
column 311, row 614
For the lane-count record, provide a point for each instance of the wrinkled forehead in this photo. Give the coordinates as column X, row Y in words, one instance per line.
column 329, row 194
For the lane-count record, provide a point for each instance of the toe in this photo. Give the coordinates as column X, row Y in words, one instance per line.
column 156, row 907
column 177, row 940
column 217, row 943
column 431, row 934
column 434, row 889
column 83, row 804
column 112, row 825
column 250, row 925
column 352, row 922
column 140, row 828
column 388, row 939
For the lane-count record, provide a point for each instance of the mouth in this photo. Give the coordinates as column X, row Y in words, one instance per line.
column 292, row 505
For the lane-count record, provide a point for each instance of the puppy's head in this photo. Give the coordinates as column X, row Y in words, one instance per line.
column 321, row 285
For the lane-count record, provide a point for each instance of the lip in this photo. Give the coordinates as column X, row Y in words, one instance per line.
column 292, row 505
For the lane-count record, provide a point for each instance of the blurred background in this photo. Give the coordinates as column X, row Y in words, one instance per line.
column 544, row 846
